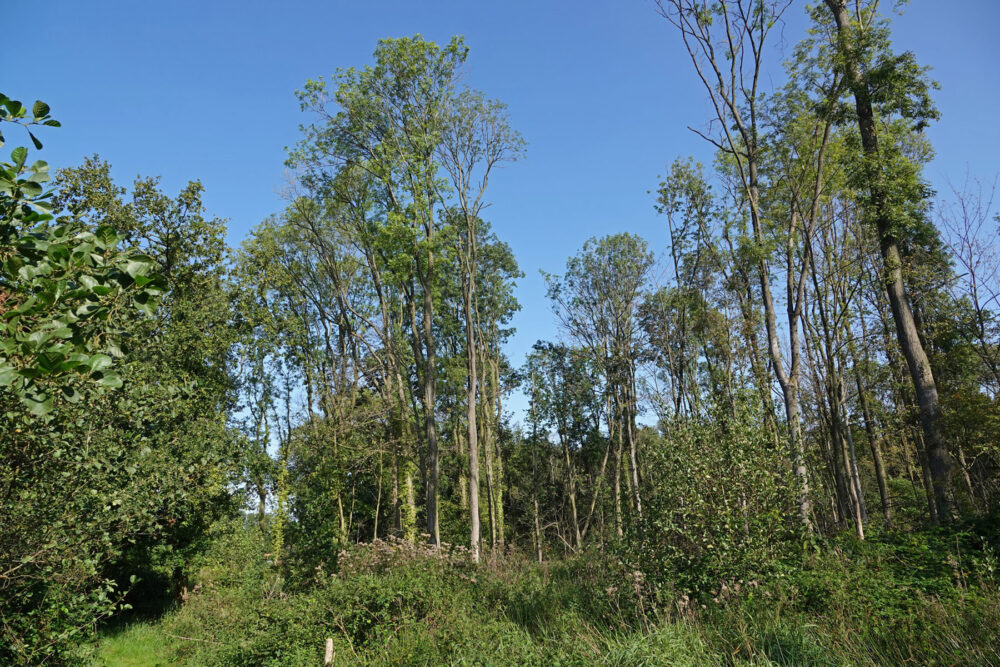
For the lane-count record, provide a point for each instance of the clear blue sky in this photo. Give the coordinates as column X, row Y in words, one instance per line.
column 601, row 90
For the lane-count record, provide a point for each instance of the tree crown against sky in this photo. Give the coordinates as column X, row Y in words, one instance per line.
column 567, row 78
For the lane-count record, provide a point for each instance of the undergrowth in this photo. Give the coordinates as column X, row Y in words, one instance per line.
column 920, row 598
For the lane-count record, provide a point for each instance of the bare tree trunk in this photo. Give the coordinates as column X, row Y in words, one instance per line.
column 855, row 477
column 616, row 488
column 571, row 485
column 597, row 490
column 534, row 474
column 840, row 446
column 394, row 499
column 411, row 503
column 629, row 427
column 837, row 465
column 965, row 476
column 873, row 444
column 925, row 468
column 495, row 468
column 407, row 514
column 378, row 498
column 460, row 450
column 471, row 352
column 430, row 401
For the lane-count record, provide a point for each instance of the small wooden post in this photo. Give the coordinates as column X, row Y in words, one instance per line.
column 328, row 656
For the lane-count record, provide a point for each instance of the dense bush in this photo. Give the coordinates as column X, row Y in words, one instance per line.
column 718, row 511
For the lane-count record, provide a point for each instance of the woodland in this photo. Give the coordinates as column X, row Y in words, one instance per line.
column 301, row 450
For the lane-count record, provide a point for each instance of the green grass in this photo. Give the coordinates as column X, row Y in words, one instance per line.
column 141, row 644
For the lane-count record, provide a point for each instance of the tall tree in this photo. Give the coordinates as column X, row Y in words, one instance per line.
column 597, row 303
column 388, row 121
column 883, row 84
column 726, row 43
column 475, row 138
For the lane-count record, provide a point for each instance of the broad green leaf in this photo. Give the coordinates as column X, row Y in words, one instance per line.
column 19, row 155
column 71, row 393
column 31, row 188
column 7, row 374
column 14, row 107
column 106, row 236
column 138, row 266
column 99, row 362
column 107, row 379
column 38, row 404
column 146, row 303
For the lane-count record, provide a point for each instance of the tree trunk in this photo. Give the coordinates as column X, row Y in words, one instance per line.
column 430, row 401
column 966, row 476
column 534, row 474
column 629, row 427
column 471, row 352
column 571, row 485
column 495, row 468
column 876, row 448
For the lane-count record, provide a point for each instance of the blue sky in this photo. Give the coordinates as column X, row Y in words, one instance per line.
column 601, row 90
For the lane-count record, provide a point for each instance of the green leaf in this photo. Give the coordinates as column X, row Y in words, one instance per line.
column 114, row 348
column 14, row 107
column 74, row 361
column 39, row 337
column 19, row 155
column 70, row 393
column 34, row 140
column 99, row 362
column 138, row 266
column 7, row 374
column 146, row 303
column 107, row 379
column 38, row 404
column 31, row 189
column 39, row 109
column 106, row 236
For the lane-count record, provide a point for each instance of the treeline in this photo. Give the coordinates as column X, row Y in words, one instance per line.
column 805, row 297
column 816, row 352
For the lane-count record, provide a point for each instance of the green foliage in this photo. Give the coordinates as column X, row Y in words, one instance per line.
column 927, row 597
column 884, row 601
column 396, row 603
column 147, row 382
column 63, row 287
column 117, row 455
column 14, row 111
column 718, row 507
